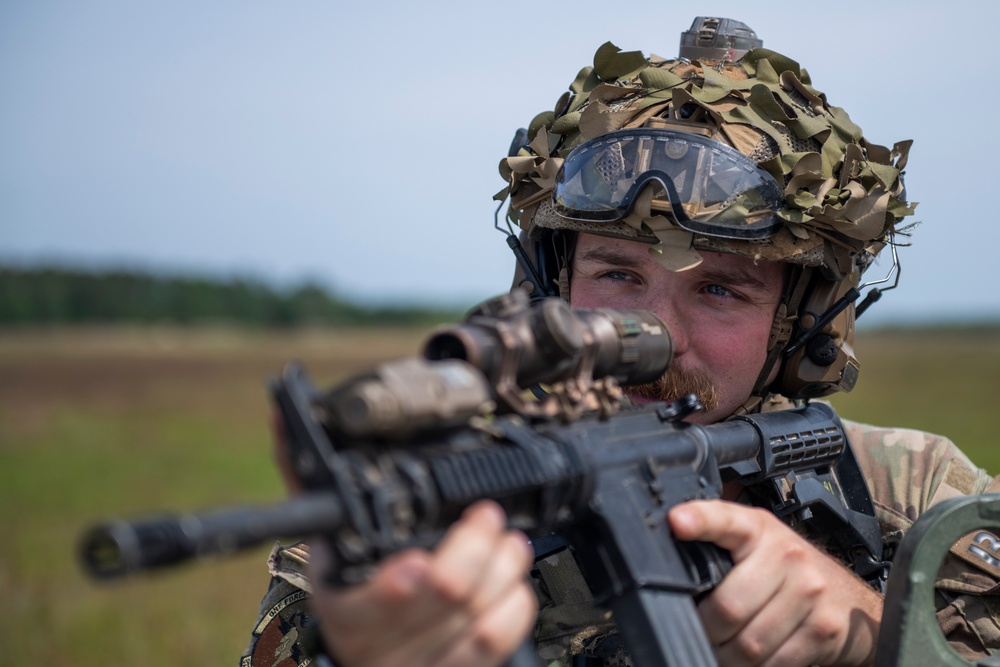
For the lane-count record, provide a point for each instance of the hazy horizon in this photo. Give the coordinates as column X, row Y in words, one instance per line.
column 357, row 146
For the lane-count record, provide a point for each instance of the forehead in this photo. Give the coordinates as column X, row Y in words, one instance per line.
column 593, row 249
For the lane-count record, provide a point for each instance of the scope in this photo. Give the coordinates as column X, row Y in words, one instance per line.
column 549, row 342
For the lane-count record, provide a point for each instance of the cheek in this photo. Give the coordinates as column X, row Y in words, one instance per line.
column 581, row 296
column 590, row 294
column 737, row 354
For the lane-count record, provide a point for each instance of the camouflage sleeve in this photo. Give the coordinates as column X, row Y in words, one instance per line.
column 968, row 593
column 908, row 472
column 283, row 634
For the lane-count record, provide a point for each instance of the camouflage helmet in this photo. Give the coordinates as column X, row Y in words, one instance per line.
column 841, row 197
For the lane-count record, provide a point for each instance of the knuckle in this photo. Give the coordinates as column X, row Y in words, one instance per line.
column 757, row 515
column 824, row 627
column 490, row 639
column 518, row 612
column 794, row 553
column 755, row 519
column 729, row 610
column 814, row 588
column 810, row 578
column 749, row 649
column 452, row 587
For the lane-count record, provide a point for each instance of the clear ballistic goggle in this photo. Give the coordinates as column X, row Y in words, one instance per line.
column 706, row 187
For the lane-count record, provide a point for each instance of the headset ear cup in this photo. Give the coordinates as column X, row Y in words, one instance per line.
column 826, row 363
column 822, row 350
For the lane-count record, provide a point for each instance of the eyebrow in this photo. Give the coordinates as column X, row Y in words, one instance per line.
column 736, row 276
column 726, row 274
column 609, row 256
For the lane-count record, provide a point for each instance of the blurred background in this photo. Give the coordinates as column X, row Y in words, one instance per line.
column 342, row 157
column 357, row 144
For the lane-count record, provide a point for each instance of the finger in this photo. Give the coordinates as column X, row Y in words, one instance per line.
column 734, row 603
column 477, row 563
column 509, row 566
column 734, row 527
column 418, row 604
column 435, row 600
column 418, row 578
column 842, row 623
column 757, row 542
column 765, row 633
column 496, row 634
column 360, row 622
column 462, row 558
column 397, row 580
column 755, row 580
column 397, row 617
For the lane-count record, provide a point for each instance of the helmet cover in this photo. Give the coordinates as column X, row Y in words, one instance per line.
column 843, row 195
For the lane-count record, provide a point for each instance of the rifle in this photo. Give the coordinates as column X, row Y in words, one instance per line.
column 389, row 459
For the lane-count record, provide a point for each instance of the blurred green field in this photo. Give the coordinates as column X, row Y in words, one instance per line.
column 943, row 381
column 97, row 423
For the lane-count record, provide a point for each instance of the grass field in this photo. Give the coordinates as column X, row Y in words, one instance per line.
column 102, row 423
column 96, row 423
column 941, row 381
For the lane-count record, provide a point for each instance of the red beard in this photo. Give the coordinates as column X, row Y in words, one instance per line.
column 676, row 383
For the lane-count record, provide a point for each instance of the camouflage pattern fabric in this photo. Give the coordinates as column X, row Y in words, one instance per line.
column 764, row 106
column 284, row 634
column 907, row 471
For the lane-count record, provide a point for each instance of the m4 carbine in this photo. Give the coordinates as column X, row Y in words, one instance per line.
column 391, row 458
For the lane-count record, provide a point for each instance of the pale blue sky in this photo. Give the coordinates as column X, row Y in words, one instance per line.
column 357, row 143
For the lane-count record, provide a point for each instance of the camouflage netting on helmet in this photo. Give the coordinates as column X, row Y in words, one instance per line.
column 842, row 192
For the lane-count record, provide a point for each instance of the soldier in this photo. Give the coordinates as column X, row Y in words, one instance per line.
column 721, row 191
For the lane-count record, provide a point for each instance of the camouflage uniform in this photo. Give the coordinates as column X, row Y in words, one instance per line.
column 283, row 632
column 907, row 471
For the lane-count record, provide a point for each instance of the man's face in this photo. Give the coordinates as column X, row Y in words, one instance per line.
column 719, row 313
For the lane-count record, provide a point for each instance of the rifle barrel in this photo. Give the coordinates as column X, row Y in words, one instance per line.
column 117, row 548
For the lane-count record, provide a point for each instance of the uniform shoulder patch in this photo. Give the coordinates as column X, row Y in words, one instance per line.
column 291, row 564
column 982, row 549
column 281, row 636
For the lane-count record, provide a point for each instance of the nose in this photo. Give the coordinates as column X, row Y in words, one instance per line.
column 666, row 309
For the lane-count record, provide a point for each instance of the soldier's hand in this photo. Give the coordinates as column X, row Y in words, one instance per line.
column 785, row 602
column 466, row 603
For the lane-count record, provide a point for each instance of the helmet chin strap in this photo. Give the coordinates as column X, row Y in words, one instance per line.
column 781, row 331
column 785, row 317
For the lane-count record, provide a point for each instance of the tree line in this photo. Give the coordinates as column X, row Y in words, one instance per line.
column 51, row 296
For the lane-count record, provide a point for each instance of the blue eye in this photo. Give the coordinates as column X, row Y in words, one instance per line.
column 718, row 290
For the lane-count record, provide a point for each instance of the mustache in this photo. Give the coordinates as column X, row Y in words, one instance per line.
column 676, row 382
